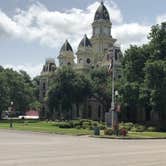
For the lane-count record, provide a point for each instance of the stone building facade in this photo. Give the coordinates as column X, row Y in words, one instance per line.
column 91, row 53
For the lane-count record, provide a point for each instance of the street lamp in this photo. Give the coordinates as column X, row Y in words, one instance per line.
column 111, row 116
column 10, row 113
column 113, row 90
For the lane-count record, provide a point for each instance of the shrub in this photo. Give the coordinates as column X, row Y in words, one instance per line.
column 86, row 125
column 65, row 125
column 108, row 131
column 102, row 127
column 78, row 127
column 151, row 129
column 138, row 128
column 128, row 126
column 133, row 129
column 123, row 132
column 85, row 120
column 94, row 124
column 76, row 123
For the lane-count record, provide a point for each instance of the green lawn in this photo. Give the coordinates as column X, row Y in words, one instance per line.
column 50, row 127
column 42, row 126
column 137, row 135
column 147, row 134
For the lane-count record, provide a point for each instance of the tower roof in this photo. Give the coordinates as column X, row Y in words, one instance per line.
column 50, row 60
column 102, row 13
column 66, row 47
column 85, row 42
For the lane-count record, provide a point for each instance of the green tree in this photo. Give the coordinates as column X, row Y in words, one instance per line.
column 130, row 99
column 155, row 81
column 67, row 88
column 4, row 95
column 101, row 83
column 157, row 43
column 16, row 87
column 144, row 74
column 134, row 62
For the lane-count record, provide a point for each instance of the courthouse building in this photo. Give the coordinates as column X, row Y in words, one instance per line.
column 93, row 52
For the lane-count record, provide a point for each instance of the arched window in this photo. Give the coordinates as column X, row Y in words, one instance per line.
column 89, row 111
column 108, row 57
column 116, row 54
column 99, row 112
column 44, row 85
column 88, row 61
column 80, row 60
column 44, row 93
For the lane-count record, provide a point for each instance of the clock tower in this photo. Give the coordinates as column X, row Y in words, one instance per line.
column 101, row 36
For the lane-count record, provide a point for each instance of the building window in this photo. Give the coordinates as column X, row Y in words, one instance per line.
column 89, row 111
column 44, row 94
column 119, row 76
column 88, row 60
column 80, row 60
column 50, row 68
column 108, row 57
column 116, row 54
column 99, row 111
column 44, row 85
column 68, row 63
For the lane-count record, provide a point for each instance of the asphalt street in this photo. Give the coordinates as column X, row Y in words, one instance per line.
column 18, row 148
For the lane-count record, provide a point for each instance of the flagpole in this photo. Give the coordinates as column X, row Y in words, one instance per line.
column 113, row 88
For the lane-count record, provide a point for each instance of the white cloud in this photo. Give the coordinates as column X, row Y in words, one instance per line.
column 32, row 70
column 161, row 18
column 51, row 28
column 133, row 33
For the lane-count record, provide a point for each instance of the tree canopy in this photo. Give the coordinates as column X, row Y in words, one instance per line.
column 67, row 88
column 145, row 68
column 16, row 87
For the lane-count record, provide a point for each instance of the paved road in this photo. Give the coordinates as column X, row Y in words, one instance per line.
column 34, row 149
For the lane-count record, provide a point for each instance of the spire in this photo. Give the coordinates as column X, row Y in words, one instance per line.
column 66, row 47
column 85, row 42
column 102, row 13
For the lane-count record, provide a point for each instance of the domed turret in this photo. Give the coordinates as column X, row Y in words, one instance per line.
column 85, row 54
column 85, row 42
column 49, row 66
column 66, row 47
column 66, row 56
column 102, row 13
column 101, row 38
column 50, row 60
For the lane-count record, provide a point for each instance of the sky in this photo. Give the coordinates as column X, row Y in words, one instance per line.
column 33, row 30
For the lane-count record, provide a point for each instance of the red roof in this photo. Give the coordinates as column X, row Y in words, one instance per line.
column 32, row 113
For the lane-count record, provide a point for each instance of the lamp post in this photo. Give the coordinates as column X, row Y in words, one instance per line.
column 10, row 113
column 113, row 89
column 110, row 116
